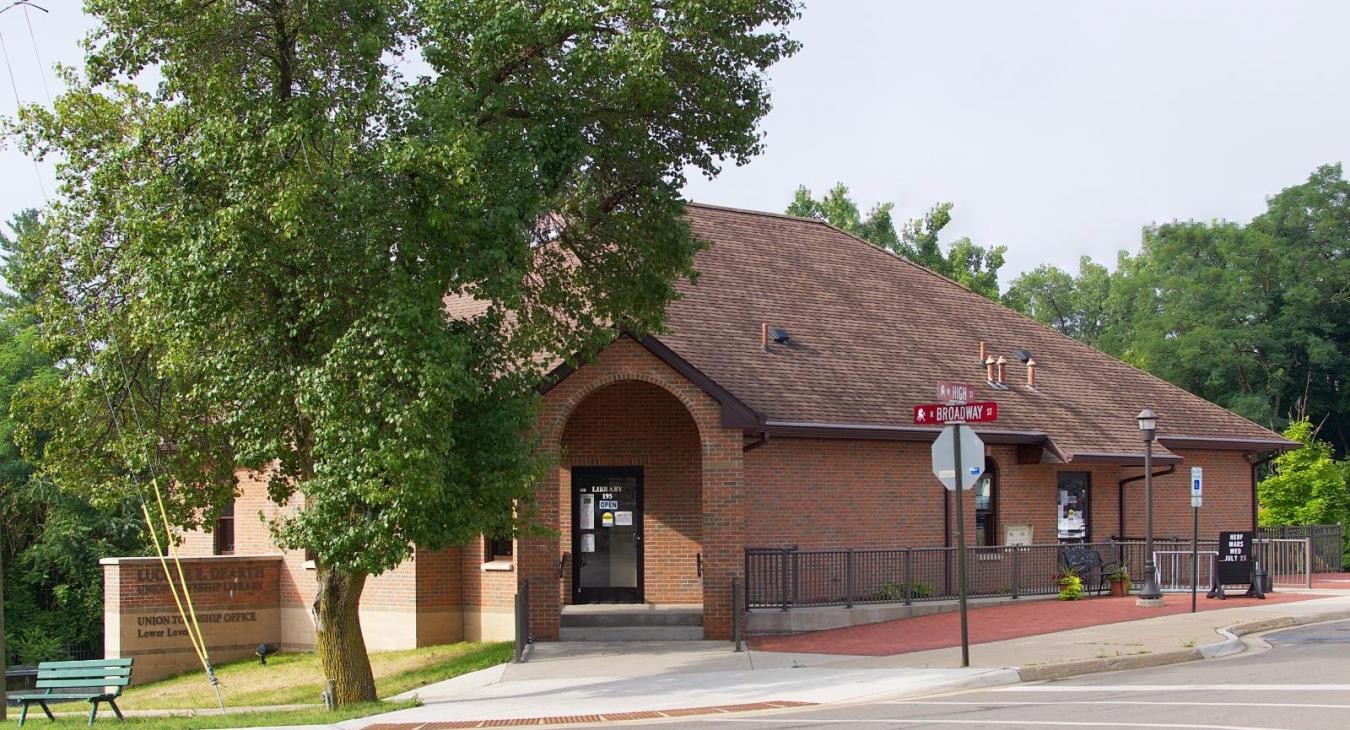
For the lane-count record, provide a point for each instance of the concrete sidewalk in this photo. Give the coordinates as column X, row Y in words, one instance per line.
column 588, row 683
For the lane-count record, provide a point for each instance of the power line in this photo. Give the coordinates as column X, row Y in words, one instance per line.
column 42, row 69
column 4, row 49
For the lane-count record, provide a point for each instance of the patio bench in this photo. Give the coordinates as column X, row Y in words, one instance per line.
column 1087, row 564
column 92, row 681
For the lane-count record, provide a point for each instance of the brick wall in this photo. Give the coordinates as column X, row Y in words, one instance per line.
column 836, row 494
column 236, row 602
column 393, row 612
column 876, row 494
column 1227, row 501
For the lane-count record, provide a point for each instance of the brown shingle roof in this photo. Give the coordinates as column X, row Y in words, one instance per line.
column 872, row 333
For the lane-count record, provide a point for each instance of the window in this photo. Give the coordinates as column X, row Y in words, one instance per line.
column 225, row 531
column 1075, row 506
column 497, row 548
column 986, row 506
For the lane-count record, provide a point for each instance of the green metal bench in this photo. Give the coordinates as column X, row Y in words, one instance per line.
column 93, row 681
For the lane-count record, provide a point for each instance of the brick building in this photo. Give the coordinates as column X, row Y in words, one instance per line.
column 777, row 410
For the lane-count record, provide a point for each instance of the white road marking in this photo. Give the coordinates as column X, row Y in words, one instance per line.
column 1176, row 688
column 1005, row 723
column 1149, row 703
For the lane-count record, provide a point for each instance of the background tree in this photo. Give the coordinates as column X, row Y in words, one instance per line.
column 973, row 266
column 255, row 254
column 53, row 539
column 1078, row 306
column 1253, row 317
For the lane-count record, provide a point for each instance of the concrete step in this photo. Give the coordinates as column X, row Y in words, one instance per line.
column 630, row 633
column 659, row 617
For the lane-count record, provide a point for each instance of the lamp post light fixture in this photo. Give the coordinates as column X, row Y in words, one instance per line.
column 1150, row 595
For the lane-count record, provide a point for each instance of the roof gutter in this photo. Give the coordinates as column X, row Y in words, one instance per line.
column 1124, row 459
column 877, row 432
column 1219, row 443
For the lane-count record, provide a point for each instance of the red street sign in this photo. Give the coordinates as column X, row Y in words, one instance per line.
column 955, row 392
column 940, row 413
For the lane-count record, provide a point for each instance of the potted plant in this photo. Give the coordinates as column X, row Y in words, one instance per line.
column 1119, row 581
column 1070, row 585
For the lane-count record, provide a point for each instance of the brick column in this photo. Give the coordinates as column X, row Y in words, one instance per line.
column 724, row 526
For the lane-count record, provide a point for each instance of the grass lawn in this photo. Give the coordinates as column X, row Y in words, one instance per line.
column 316, row 716
column 296, row 679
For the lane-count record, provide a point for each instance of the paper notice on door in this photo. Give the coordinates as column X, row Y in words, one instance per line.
column 623, row 518
column 588, row 543
column 586, row 512
column 607, row 519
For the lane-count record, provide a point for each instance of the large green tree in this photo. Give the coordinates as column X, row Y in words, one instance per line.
column 969, row 264
column 247, row 265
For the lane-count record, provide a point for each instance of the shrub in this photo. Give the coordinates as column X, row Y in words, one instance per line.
column 1070, row 586
column 896, row 591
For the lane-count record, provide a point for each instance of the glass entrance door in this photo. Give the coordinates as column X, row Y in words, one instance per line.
column 607, row 534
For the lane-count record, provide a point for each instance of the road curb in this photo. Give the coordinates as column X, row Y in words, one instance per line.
column 1231, row 644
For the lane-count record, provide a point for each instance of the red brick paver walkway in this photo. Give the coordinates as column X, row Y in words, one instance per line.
column 1333, row 581
column 994, row 623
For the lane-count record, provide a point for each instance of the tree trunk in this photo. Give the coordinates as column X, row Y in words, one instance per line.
column 342, row 649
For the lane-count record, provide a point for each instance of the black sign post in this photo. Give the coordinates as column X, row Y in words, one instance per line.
column 1234, row 564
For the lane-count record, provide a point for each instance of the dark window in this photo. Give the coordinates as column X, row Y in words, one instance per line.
column 225, row 531
column 497, row 548
column 986, row 506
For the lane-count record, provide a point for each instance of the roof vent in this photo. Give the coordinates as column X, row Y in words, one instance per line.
column 778, row 335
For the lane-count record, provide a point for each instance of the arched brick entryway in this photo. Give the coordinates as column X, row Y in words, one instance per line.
column 634, row 423
column 629, row 397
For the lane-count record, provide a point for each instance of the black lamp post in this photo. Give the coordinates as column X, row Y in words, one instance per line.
column 1148, row 427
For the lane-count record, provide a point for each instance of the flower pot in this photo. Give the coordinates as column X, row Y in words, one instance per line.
column 1119, row 588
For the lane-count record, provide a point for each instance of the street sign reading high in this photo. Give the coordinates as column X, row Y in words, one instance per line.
column 955, row 392
column 940, row 413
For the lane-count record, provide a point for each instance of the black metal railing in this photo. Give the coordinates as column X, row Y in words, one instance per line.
column 522, row 620
column 1326, row 543
column 786, row 578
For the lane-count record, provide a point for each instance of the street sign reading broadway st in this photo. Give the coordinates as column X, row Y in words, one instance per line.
column 940, row 413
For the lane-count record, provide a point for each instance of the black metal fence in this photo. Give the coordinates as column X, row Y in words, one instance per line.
column 1326, row 543
column 522, row 616
column 785, row 578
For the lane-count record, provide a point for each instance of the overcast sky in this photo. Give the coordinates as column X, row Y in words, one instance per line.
column 1058, row 129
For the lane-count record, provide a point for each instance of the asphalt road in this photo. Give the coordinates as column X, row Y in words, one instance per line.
column 1301, row 683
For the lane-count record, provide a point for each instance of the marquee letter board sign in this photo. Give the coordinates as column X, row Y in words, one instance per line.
column 1233, row 564
column 1235, row 557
